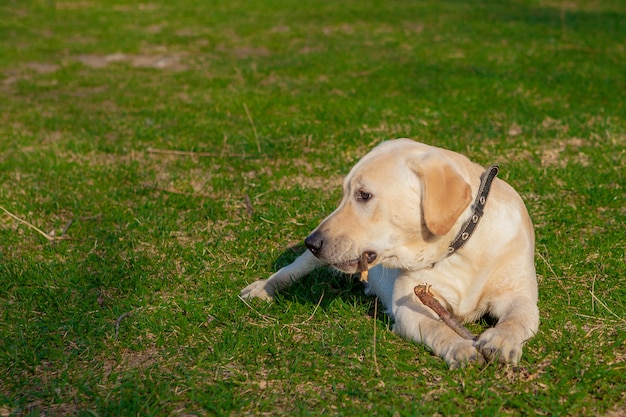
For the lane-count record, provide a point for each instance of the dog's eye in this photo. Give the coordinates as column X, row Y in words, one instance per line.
column 363, row 196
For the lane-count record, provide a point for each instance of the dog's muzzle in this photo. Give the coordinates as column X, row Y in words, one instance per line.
column 315, row 243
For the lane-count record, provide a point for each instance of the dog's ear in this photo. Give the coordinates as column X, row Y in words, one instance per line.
column 445, row 193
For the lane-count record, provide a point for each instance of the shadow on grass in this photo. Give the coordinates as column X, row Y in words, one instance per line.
column 322, row 286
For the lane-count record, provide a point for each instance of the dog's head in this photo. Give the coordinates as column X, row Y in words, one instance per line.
column 400, row 203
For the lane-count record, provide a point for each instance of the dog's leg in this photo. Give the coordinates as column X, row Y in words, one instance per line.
column 518, row 321
column 266, row 288
column 416, row 322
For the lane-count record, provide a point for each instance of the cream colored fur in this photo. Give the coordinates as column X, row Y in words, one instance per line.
column 405, row 202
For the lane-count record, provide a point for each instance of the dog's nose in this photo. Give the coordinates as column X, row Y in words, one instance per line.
column 314, row 243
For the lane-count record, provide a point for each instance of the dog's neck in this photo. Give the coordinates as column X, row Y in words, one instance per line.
column 477, row 210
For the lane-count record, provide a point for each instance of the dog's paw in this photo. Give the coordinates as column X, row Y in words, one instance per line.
column 497, row 345
column 461, row 354
column 260, row 289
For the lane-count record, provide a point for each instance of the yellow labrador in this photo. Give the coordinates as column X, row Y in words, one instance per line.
column 425, row 215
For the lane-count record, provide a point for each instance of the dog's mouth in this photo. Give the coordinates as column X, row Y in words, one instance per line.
column 357, row 265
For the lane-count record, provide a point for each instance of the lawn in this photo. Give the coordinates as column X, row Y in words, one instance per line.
column 156, row 158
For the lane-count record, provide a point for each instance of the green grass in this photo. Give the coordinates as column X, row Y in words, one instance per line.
column 89, row 88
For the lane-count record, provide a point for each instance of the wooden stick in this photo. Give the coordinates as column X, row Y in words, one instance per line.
column 118, row 321
column 426, row 297
column 248, row 204
column 363, row 267
column 32, row 226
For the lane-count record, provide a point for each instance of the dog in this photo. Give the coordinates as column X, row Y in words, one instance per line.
column 407, row 211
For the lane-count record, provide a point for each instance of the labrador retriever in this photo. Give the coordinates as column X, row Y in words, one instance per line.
column 407, row 210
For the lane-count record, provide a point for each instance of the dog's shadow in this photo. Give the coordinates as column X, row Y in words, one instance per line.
column 323, row 285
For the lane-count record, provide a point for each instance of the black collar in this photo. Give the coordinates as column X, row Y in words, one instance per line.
column 479, row 204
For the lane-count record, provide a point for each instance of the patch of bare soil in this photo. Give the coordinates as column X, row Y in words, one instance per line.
column 243, row 52
column 158, row 61
column 42, row 67
column 618, row 410
column 25, row 72
column 133, row 7
column 553, row 155
column 131, row 359
column 72, row 5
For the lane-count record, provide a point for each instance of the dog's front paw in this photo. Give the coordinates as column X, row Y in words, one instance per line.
column 461, row 354
column 501, row 346
column 262, row 289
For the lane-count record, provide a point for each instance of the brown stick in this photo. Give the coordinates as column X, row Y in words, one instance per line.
column 118, row 321
column 248, row 203
column 48, row 236
column 426, row 297
column 363, row 267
